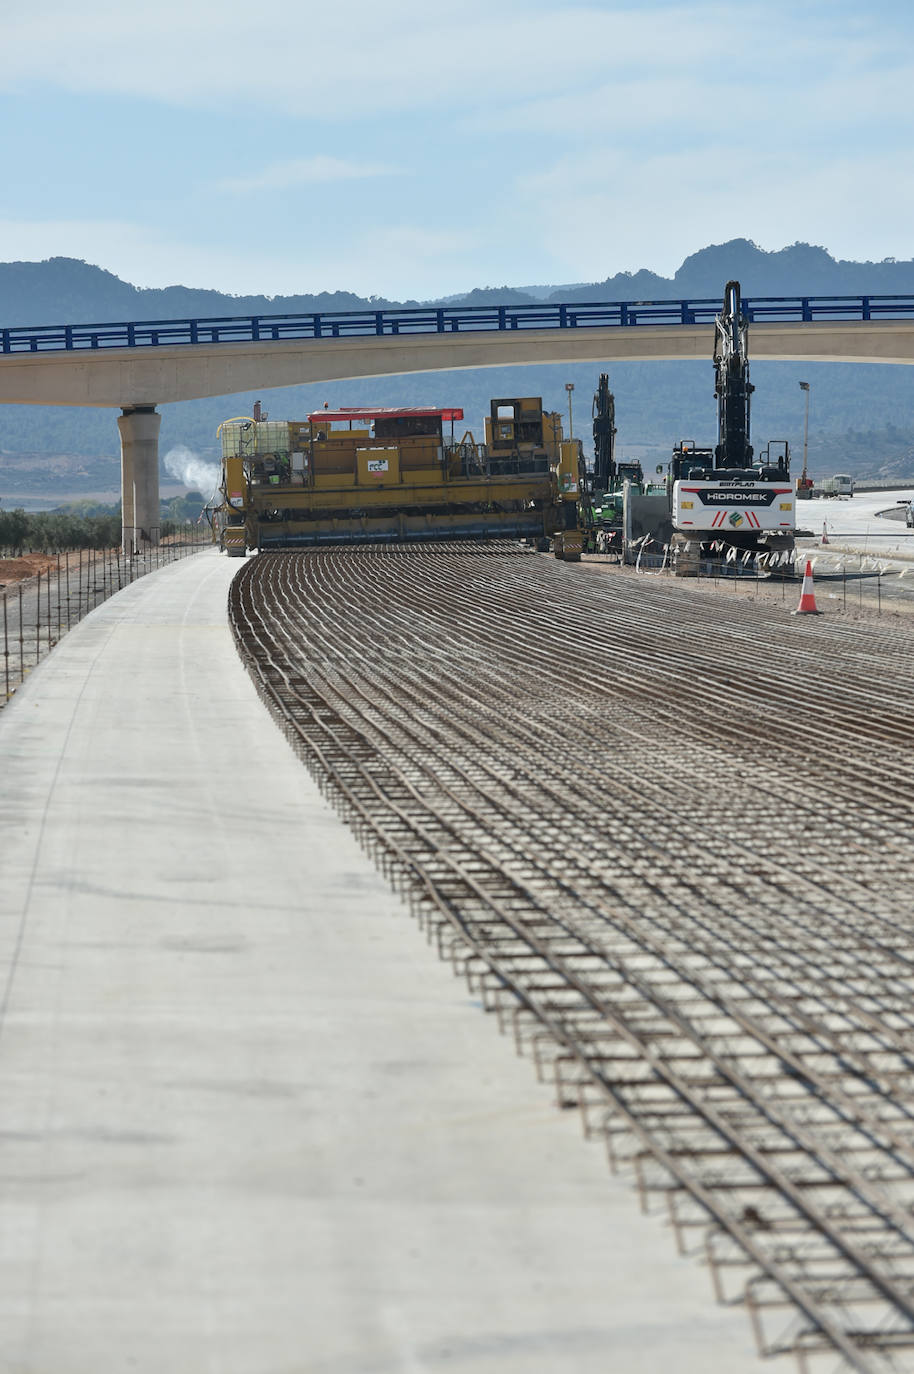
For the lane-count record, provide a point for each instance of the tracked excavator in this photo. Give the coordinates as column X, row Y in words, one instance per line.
column 721, row 500
column 606, row 484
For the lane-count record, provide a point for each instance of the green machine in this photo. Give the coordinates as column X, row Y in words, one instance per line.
column 606, row 483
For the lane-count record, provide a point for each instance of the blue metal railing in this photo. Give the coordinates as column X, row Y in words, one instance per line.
column 460, row 319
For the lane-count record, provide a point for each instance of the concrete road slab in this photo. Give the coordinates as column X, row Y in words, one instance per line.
column 249, row 1123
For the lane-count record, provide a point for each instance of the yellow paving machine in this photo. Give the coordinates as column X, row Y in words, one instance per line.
column 373, row 474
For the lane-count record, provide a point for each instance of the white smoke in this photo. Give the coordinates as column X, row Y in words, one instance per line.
column 192, row 470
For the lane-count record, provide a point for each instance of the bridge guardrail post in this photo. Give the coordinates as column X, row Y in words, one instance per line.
column 383, row 323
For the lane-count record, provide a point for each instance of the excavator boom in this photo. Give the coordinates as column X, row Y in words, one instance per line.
column 732, row 386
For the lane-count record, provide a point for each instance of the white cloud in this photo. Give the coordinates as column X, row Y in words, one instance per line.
column 653, row 211
column 684, row 122
column 304, row 171
column 355, row 57
column 681, row 111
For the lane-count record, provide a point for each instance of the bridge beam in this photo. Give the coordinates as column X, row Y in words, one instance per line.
column 139, row 428
column 139, row 378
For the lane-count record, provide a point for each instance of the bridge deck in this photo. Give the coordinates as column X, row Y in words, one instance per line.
column 143, row 365
column 249, row 1121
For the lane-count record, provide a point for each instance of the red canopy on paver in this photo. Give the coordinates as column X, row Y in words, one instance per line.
column 385, row 413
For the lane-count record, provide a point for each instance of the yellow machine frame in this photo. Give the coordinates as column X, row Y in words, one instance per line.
column 391, row 475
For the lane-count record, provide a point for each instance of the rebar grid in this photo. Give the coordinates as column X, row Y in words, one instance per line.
column 586, row 812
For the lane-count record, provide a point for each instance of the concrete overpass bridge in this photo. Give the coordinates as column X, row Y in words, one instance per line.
column 135, row 366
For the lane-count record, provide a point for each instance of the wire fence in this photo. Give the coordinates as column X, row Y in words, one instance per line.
column 36, row 613
column 850, row 583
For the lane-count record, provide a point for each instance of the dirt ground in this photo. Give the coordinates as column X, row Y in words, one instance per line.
column 15, row 570
column 29, row 565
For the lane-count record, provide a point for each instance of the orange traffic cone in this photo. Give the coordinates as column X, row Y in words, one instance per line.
column 807, row 604
column 824, row 539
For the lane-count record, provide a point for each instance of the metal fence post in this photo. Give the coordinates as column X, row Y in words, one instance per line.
column 38, row 620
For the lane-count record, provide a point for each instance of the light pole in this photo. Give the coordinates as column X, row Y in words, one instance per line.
column 569, row 387
column 804, row 386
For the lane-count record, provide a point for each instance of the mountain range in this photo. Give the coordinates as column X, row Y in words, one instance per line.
column 70, row 291
column 861, row 417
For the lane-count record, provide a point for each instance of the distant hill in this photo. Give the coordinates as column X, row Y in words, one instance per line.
column 67, row 290
column 798, row 270
column 861, row 418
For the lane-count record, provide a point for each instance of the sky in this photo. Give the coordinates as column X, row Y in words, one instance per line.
column 419, row 148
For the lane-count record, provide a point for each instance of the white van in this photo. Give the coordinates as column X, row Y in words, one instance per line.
column 842, row 484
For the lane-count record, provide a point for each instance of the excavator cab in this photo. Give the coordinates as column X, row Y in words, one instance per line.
column 689, row 461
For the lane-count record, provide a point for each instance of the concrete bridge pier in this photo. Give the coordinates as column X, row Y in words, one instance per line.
column 139, row 427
